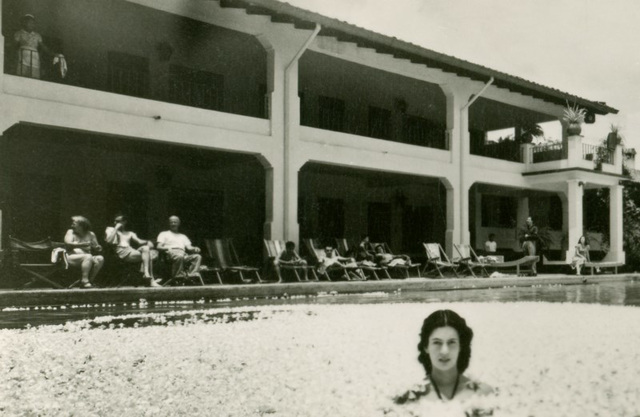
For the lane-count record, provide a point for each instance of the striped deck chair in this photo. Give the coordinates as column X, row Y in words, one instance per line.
column 470, row 260
column 226, row 259
column 403, row 269
column 274, row 248
column 437, row 260
column 318, row 254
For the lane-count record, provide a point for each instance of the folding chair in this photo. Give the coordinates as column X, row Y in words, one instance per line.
column 226, row 259
column 274, row 248
column 404, row 268
column 34, row 260
column 319, row 254
column 435, row 255
column 348, row 248
column 469, row 259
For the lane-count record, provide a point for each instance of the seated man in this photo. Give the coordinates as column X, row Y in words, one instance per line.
column 180, row 251
column 290, row 257
column 491, row 246
column 121, row 238
column 331, row 258
column 387, row 259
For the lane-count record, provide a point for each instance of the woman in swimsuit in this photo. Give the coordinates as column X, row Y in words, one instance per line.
column 83, row 249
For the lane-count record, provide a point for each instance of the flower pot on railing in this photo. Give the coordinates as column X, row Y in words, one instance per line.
column 574, row 129
column 613, row 140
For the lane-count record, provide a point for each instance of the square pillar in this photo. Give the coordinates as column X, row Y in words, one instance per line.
column 521, row 219
column 616, row 214
column 574, row 195
column 574, row 150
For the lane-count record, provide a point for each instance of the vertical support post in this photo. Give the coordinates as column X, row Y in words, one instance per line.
column 574, row 150
column 616, row 213
column 451, row 237
column 521, row 218
column 574, row 215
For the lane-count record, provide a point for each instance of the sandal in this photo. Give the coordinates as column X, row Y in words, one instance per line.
column 86, row 285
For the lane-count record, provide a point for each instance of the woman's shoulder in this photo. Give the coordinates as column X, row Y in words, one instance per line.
column 415, row 393
column 476, row 386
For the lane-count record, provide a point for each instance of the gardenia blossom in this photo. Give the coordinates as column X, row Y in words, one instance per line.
column 321, row 360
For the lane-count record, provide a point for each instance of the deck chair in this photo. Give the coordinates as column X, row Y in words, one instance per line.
column 470, row 260
column 226, row 259
column 318, row 255
column 348, row 248
column 274, row 248
column 437, row 260
column 34, row 260
column 403, row 269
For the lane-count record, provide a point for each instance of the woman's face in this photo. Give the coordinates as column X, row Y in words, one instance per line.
column 443, row 348
column 582, row 240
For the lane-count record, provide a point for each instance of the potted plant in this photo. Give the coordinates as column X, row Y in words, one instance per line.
column 529, row 130
column 574, row 116
column 614, row 138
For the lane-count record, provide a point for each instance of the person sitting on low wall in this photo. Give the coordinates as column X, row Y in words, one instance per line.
column 83, row 250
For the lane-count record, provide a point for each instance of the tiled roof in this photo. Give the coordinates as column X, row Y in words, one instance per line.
column 282, row 12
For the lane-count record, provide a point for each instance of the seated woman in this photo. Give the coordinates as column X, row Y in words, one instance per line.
column 83, row 249
column 582, row 254
column 386, row 259
column 121, row 238
column 445, row 351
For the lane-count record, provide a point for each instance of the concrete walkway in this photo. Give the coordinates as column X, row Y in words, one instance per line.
column 39, row 297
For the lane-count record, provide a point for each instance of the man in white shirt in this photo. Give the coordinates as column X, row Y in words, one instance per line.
column 180, row 251
column 491, row 246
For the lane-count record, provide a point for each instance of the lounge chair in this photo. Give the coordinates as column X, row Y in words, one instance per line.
column 348, row 248
column 34, row 259
column 470, row 260
column 438, row 261
column 274, row 248
column 602, row 265
column 226, row 260
column 526, row 262
column 402, row 268
column 318, row 255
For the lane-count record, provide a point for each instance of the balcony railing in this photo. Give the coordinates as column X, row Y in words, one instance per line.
column 597, row 153
column 546, row 153
column 507, row 150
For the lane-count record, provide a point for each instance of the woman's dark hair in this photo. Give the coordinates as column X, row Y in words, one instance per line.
column 586, row 239
column 444, row 318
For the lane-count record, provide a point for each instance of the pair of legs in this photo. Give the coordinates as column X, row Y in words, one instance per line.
column 301, row 263
column 89, row 265
column 142, row 255
column 180, row 259
column 578, row 262
column 529, row 249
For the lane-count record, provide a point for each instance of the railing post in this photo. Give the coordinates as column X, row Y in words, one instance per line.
column 526, row 153
column 574, row 150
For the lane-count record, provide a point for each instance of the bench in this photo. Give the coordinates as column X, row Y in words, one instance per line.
column 525, row 261
column 599, row 265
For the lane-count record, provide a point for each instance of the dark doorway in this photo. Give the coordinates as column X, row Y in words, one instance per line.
column 200, row 212
column 379, row 225
column 330, row 217
column 35, row 207
column 416, row 227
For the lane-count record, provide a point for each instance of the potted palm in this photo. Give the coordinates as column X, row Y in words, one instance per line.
column 574, row 116
column 614, row 138
column 529, row 130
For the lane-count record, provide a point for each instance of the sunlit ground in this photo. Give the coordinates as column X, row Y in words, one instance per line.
column 321, row 360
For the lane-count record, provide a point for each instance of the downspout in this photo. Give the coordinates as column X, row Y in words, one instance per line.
column 287, row 127
column 462, row 152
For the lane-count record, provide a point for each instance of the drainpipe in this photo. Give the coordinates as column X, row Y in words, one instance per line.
column 462, row 154
column 287, row 127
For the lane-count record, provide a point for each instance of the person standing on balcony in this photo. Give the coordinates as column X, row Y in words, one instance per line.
column 530, row 241
column 29, row 43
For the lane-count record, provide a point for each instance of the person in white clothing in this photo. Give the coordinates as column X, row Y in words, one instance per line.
column 29, row 43
column 180, row 251
column 121, row 238
column 491, row 246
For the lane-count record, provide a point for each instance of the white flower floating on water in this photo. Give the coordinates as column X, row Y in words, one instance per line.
column 338, row 360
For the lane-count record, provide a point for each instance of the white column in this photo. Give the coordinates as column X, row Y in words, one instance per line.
column 616, row 207
column 574, row 150
column 574, row 194
column 458, row 187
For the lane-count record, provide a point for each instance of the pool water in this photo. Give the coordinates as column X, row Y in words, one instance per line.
column 614, row 293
